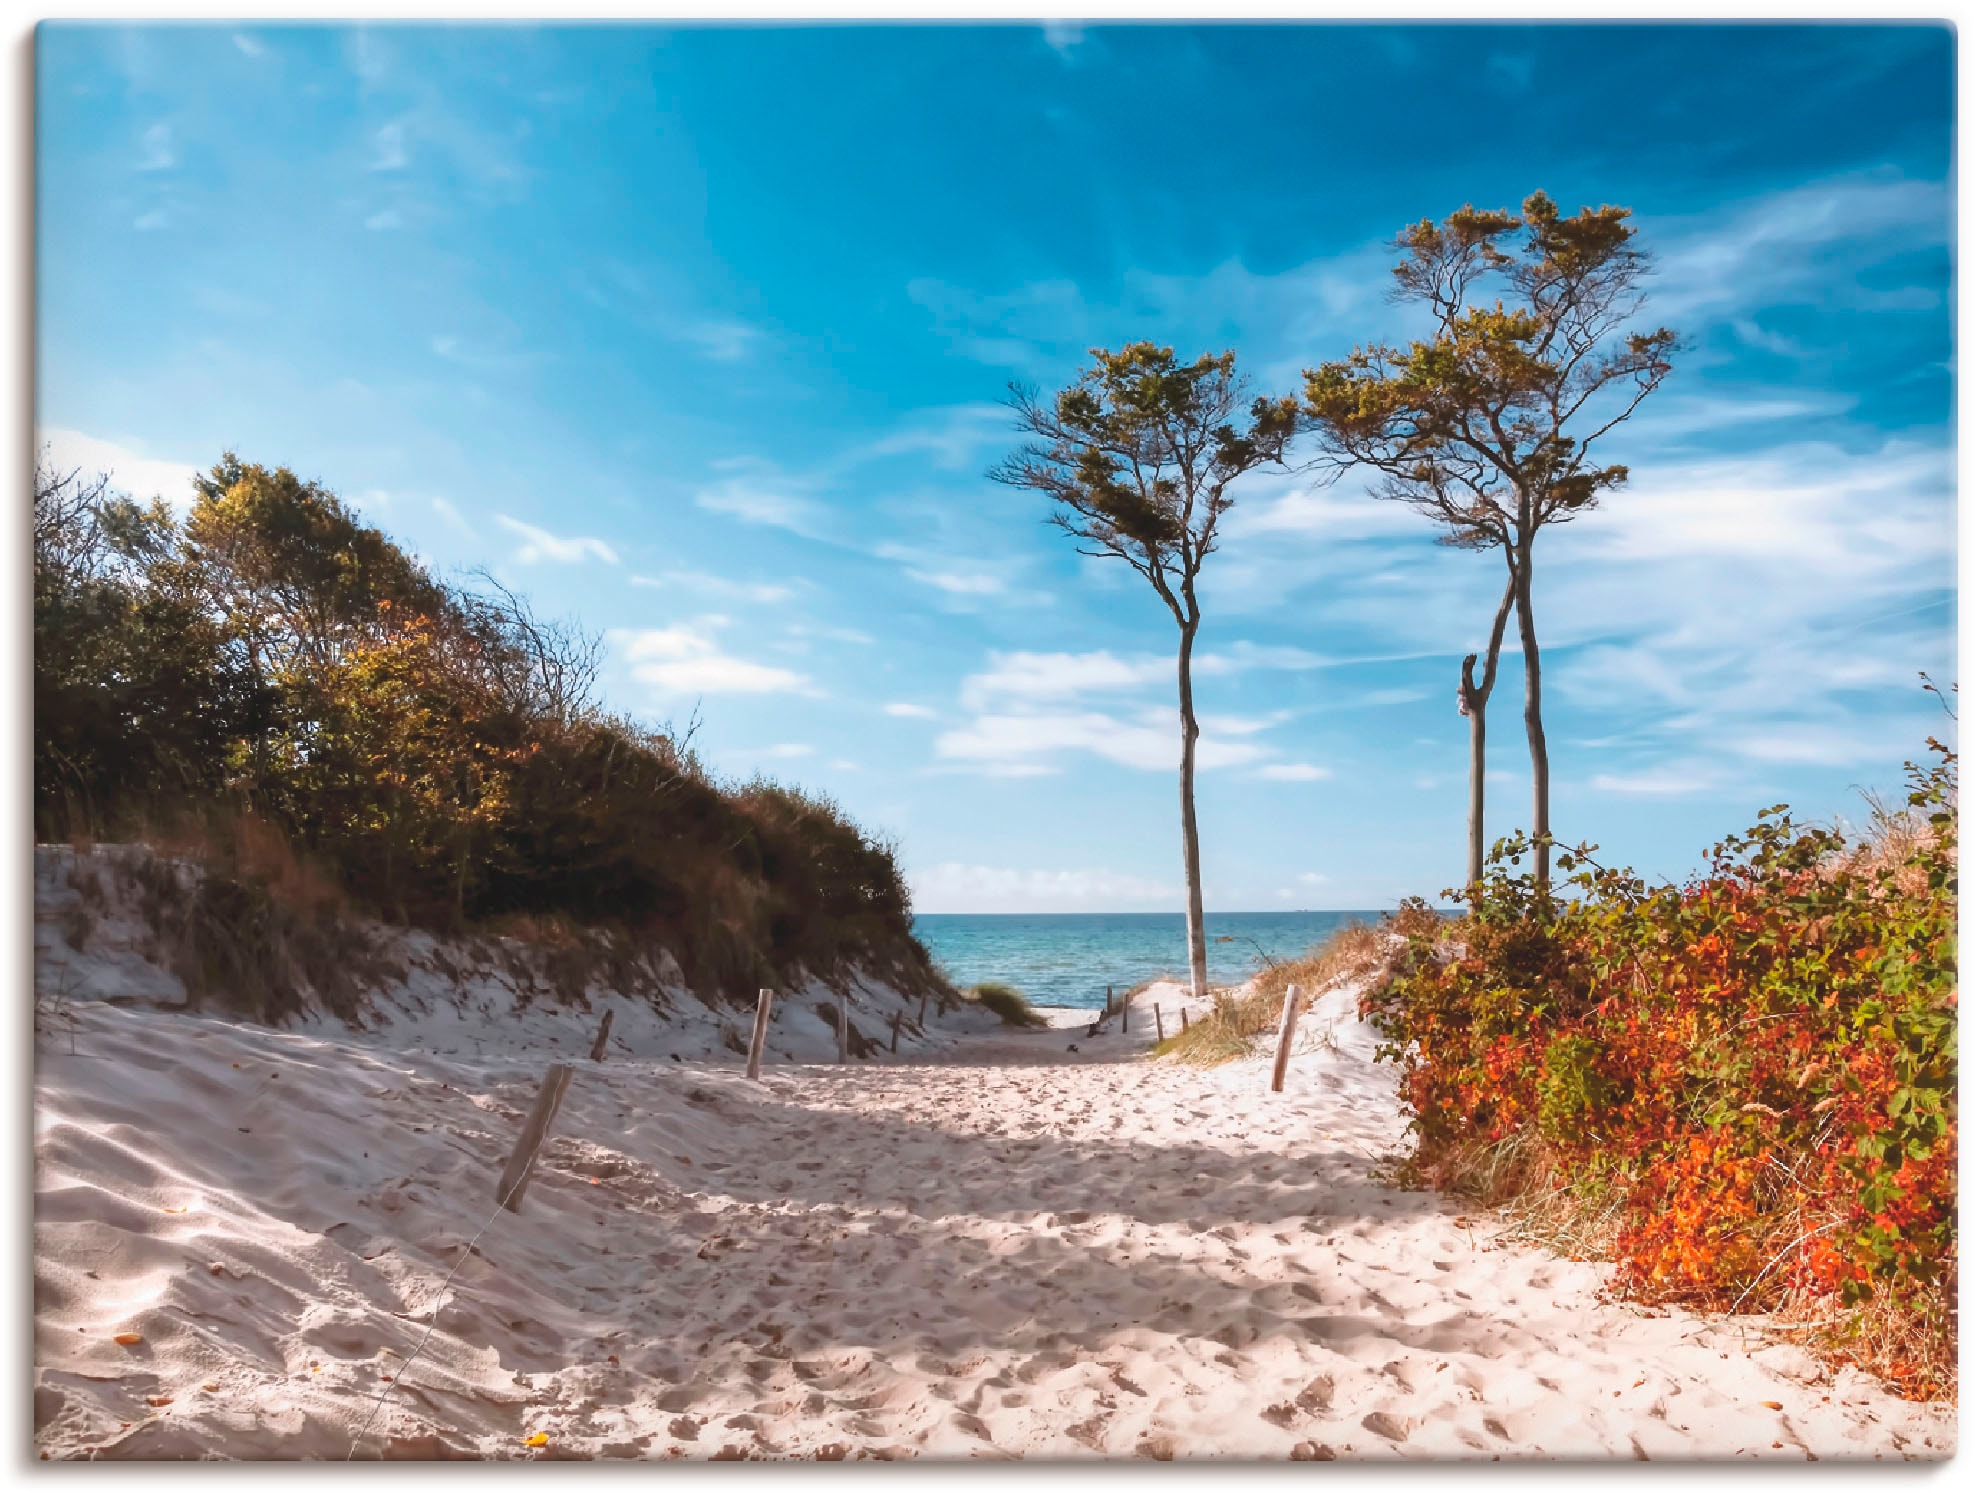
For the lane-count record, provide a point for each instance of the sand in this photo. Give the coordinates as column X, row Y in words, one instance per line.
column 1016, row 1250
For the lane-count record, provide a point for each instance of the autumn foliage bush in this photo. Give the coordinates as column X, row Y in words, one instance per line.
column 1750, row 1076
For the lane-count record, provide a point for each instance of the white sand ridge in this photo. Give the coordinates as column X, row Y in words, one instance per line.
column 1022, row 1251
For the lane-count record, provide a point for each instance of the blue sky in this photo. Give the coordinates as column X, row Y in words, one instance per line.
column 700, row 335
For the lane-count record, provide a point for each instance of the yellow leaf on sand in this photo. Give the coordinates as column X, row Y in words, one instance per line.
column 175, row 1210
column 1771, row 1404
column 541, row 1438
column 128, row 1339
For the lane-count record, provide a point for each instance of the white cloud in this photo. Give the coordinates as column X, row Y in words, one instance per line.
column 956, row 583
column 760, row 499
column 686, row 661
column 911, row 712
column 1293, row 772
column 379, row 222
column 831, row 634
column 954, row 886
column 1007, row 739
column 788, row 750
column 764, row 592
column 1064, row 37
column 943, row 572
column 540, row 544
column 142, row 477
column 1335, row 513
column 1061, row 676
column 1781, row 249
column 1656, row 782
column 156, row 151
column 956, row 437
column 453, row 517
column 249, row 47
column 389, row 148
column 723, row 341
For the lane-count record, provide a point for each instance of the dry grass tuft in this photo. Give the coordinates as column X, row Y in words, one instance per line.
column 1007, row 1003
column 1357, row 951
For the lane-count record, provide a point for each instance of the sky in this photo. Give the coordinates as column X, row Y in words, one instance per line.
column 702, row 337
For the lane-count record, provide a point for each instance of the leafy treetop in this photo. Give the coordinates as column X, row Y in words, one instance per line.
column 1471, row 425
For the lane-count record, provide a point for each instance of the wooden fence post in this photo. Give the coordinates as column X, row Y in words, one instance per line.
column 1287, row 1018
column 1159, row 1039
column 1185, row 1011
column 921, row 1021
column 598, row 1042
column 549, row 1099
column 1127, row 996
column 759, row 1035
column 894, row 1042
column 842, row 1026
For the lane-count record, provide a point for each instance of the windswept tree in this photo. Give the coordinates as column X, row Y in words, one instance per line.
column 1138, row 457
column 1486, row 426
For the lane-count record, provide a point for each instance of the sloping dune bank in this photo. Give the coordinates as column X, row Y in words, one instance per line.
column 1014, row 1249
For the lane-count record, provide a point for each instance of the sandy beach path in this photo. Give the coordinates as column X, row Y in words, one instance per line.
column 1023, row 1252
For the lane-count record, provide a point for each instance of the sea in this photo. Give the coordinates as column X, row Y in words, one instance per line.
column 1069, row 959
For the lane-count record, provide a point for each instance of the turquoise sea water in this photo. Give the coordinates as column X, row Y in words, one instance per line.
column 1069, row 959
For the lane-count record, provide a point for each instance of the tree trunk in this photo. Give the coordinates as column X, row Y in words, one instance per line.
column 1474, row 855
column 1199, row 977
column 1536, row 736
column 1472, row 699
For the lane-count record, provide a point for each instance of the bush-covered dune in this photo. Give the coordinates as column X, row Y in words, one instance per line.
column 283, row 692
column 1742, row 1088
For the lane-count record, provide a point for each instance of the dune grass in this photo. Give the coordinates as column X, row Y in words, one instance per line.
column 1355, row 951
column 1007, row 1003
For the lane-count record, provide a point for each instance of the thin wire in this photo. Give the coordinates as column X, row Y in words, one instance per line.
column 399, row 1378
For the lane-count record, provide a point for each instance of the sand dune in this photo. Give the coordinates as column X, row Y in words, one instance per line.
column 1019, row 1251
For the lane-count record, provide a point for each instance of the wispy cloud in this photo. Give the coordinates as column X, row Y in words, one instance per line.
column 960, row 886
column 688, row 660
column 1136, row 742
column 1061, row 676
column 1807, row 245
column 455, row 521
column 949, row 574
column 380, row 221
column 910, row 712
column 156, row 149
column 957, row 438
column 723, row 341
column 540, row 544
column 1656, row 782
column 1064, row 37
column 1293, row 772
column 388, row 148
column 760, row 496
column 767, row 593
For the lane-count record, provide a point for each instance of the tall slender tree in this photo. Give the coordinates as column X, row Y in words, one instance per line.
column 1475, row 425
column 1472, row 698
column 1137, row 457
